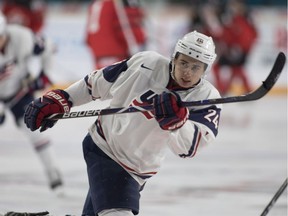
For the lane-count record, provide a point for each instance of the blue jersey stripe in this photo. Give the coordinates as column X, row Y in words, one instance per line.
column 112, row 72
column 194, row 143
column 208, row 116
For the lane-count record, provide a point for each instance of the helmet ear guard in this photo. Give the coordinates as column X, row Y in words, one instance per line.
column 197, row 46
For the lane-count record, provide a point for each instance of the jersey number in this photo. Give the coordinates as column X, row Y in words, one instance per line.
column 213, row 117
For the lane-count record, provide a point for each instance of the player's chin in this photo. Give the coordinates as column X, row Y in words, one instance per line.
column 185, row 84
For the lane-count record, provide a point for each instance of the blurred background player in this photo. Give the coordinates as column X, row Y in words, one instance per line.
column 114, row 30
column 17, row 86
column 29, row 13
column 230, row 24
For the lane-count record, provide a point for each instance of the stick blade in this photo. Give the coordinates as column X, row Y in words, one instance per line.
column 255, row 95
column 271, row 79
column 275, row 72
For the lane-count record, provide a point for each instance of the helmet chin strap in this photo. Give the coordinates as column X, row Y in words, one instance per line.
column 172, row 69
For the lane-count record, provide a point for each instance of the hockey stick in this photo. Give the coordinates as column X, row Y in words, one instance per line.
column 274, row 199
column 255, row 95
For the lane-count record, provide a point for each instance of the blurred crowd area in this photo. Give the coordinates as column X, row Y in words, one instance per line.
column 250, row 53
column 249, row 2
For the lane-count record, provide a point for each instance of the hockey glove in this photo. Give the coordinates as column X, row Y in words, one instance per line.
column 169, row 112
column 55, row 101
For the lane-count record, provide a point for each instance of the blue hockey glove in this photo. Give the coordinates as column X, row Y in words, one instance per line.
column 169, row 112
column 55, row 101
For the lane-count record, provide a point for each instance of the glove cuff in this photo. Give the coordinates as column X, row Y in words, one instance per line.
column 178, row 124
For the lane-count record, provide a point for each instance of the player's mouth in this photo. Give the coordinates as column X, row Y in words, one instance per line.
column 186, row 81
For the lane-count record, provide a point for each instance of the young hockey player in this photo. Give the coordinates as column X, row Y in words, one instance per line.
column 17, row 45
column 122, row 151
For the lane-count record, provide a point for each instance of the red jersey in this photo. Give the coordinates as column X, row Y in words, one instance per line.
column 115, row 28
column 244, row 33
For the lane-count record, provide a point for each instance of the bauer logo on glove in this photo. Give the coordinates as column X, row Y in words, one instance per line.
column 55, row 101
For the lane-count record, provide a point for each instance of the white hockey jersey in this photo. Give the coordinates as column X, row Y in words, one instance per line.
column 14, row 59
column 135, row 140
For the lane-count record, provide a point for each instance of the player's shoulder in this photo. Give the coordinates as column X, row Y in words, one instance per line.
column 150, row 56
column 151, row 64
column 204, row 90
column 21, row 37
column 19, row 30
column 209, row 89
column 20, row 34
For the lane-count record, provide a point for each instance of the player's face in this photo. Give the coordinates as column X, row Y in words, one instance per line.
column 188, row 71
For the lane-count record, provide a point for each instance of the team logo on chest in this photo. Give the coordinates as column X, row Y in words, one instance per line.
column 145, row 99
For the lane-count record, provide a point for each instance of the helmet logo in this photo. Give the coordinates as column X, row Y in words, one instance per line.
column 200, row 41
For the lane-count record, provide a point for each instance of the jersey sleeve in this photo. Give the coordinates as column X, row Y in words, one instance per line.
column 199, row 130
column 104, row 83
column 97, row 85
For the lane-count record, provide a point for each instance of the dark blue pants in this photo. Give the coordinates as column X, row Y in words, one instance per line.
column 110, row 186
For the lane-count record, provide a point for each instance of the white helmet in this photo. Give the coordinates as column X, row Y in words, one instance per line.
column 197, row 46
column 3, row 24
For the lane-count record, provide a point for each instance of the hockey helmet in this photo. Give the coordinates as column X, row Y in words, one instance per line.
column 197, row 46
column 3, row 24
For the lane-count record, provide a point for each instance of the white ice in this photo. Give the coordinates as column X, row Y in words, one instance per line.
column 236, row 175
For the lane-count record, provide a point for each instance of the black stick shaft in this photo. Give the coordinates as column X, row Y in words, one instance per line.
column 255, row 95
column 274, row 199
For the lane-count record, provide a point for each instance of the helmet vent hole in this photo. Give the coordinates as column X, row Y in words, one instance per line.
column 197, row 56
column 189, row 53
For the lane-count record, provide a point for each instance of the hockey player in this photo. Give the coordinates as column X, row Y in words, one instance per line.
column 17, row 45
column 114, row 30
column 122, row 151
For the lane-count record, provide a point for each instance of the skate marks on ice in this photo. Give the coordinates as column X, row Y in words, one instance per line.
column 237, row 175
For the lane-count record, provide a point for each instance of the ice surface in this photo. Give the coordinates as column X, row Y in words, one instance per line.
column 236, row 175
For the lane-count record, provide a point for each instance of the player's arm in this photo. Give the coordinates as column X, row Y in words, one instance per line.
column 189, row 129
column 100, row 83
column 95, row 85
column 45, row 49
column 200, row 129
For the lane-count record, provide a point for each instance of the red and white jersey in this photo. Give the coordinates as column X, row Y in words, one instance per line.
column 135, row 140
column 14, row 58
column 115, row 28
